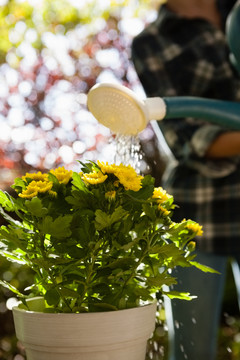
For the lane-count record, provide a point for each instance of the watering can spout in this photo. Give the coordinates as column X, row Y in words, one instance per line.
column 119, row 109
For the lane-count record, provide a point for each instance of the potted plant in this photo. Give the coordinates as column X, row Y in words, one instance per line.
column 101, row 243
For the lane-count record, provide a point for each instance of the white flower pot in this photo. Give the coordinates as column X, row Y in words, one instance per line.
column 115, row 335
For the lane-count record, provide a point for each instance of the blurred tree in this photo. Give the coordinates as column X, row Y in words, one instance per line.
column 51, row 53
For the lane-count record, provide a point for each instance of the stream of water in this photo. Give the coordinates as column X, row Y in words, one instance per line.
column 128, row 151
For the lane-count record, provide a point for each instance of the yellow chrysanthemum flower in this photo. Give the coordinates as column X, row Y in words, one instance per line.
column 39, row 176
column 116, row 183
column 62, row 175
column 44, row 186
column 196, row 228
column 163, row 210
column 160, row 194
column 110, row 195
column 30, row 192
column 52, row 193
column 191, row 245
column 106, row 168
column 36, row 187
column 128, row 177
column 94, row 177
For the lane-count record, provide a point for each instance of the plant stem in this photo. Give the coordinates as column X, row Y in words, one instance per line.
column 89, row 266
column 48, row 268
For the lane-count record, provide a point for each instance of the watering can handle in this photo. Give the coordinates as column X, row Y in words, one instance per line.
column 232, row 33
column 224, row 113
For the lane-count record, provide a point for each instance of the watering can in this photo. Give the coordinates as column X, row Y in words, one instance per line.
column 118, row 108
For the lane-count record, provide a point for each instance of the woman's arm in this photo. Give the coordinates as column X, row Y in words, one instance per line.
column 225, row 145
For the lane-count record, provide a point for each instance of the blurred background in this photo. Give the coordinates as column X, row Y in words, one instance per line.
column 51, row 53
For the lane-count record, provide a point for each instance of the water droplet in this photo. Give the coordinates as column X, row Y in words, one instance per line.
column 177, row 325
column 181, row 348
column 194, row 321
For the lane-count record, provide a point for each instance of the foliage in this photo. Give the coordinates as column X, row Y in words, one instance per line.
column 95, row 239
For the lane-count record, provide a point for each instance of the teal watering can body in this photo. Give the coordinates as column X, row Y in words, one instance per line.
column 224, row 113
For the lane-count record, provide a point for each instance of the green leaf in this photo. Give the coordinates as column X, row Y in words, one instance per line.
column 89, row 166
column 103, row 273
column 124, row 264
column 12, row 257
column 101, row 288
column 143, row 194
column 52, row 297
column 41, row 263
column 166, row 251
column 204, row 268
column 69, row 293
column 118, row 214
column 148, row 180
column 104, row 220
column 179, row 295
column 79, row 183
column 35, row 207
column 5, row 201
column 161, row 279
column 14, row 237
column 19, row 184
column 129, row 245
column 149, row 211
column 53, row 179
column 12, row 288
column 59, row 228
column 8, row 218
column 142, row 292
column 76, row 252
column 80, row 199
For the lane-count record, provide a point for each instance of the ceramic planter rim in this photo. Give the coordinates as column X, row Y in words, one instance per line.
column 19, row 309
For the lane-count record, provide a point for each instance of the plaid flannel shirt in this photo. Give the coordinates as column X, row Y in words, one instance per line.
column 175, row 56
